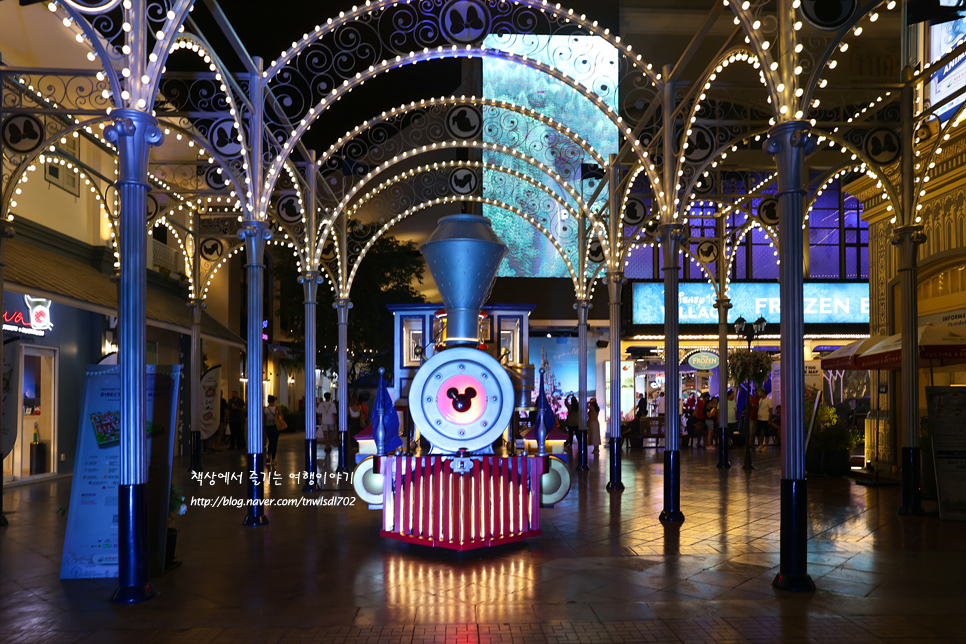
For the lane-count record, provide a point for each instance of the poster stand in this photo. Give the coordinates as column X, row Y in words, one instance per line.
column 91, row 542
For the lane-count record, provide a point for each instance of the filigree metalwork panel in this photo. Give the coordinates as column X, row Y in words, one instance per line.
column 79, row 92
column 337, row 54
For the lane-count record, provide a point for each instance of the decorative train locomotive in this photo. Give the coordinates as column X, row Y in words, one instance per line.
column 461, row 494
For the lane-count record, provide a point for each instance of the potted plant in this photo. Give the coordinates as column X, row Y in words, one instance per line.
column 176, row 506
column 749, row 366
column 835, row 441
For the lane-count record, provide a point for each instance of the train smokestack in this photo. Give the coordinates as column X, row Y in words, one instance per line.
column 463, row 255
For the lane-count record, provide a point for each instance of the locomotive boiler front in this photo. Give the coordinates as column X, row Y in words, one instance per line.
column 465, row 401
column 461, row 495
column 462, row 397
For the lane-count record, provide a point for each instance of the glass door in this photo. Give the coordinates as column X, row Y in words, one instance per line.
column 36, row 446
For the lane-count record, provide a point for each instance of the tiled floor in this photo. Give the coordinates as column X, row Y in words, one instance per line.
column 605, row 570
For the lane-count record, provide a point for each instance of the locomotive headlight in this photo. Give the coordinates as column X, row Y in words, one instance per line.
column 465, row 400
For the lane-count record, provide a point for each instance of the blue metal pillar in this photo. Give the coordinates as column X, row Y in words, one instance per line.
column 194, row 379
column 582, row 306
column 723, row 304
column 310, row 283
column 133, row 132
column 907, row 237
column 614, row 282
column 255, row 233
column 671, row 236
column 342, row 306
column 788, row 142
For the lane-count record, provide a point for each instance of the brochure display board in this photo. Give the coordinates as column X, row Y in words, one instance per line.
column 946, row 407
column 91, row 542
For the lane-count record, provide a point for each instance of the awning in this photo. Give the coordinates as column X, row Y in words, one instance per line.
column 31, row 270
column 939, row 345
column 844, row 357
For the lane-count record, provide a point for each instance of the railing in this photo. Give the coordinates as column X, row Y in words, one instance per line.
column 165, row 257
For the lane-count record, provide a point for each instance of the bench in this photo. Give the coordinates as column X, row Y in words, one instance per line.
column 650, row 427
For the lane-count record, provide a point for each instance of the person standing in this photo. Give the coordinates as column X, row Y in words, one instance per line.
column 223, row 428
column 699, row 418
column 661, row 405
column 573, row 419
column 236, row 421
column 641, row 410
column 326, row 416
column 775, row 426
column 710, row 420
column 270, row 420
column 357, row 417
column 593, row 424
column 732, row 415
column 752, row 419
column 764, row 415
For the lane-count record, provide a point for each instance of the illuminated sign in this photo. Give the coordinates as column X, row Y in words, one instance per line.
column 950, row 79
column 591, row 61
column 36, row 321
column 703, row 361
column 825, row 302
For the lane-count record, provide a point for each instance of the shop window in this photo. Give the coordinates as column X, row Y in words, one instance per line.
column 642, row 263
column 763, row 260
column 36, row 438
column 160, row 234
column 704, row 225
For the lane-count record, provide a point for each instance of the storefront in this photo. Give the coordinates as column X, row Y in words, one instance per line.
column 941, row 285
column 836, row 313
column 46, row 347
column 56, row 321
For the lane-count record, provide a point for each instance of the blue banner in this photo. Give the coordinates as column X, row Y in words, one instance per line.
column 825, row 302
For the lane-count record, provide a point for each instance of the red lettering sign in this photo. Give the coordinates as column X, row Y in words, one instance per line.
column 15, row 317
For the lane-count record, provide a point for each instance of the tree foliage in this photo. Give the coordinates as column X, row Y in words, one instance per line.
column 387, row 275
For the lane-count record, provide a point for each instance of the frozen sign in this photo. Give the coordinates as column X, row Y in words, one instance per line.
column 825, row 302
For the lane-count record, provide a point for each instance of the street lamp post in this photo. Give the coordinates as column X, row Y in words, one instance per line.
column 750, row 331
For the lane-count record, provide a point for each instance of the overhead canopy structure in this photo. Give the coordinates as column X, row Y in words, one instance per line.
column 939, row 346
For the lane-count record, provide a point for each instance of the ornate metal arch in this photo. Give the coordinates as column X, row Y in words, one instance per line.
column 456, row 199
column 386, row 66
column 359, row 186
column 370, row 141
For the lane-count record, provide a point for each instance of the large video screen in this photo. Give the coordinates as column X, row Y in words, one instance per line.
column 591, row 61
column 825, row 302
column 952, row 77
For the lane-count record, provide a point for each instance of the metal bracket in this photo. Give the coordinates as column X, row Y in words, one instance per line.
column 462, row 464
